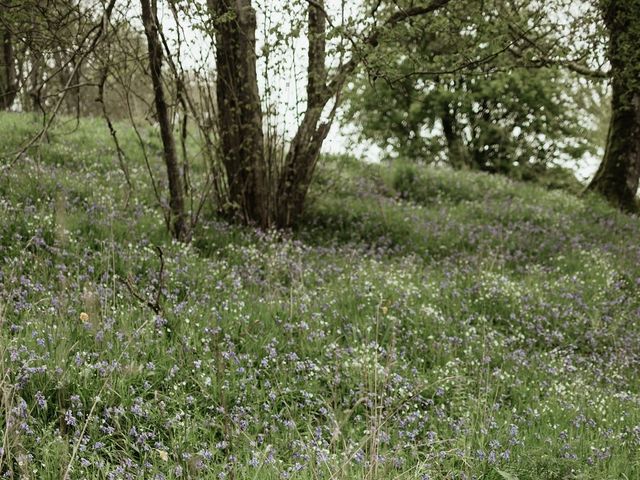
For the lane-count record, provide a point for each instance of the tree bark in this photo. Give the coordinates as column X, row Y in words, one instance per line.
column 180, row 227
column 33, row 94
column 304, row 151
column 300, row 164
column 67, row 71
column 618, row 176
column 73, row 97
column 8, row 86
column 240, row 112
column 305, row 147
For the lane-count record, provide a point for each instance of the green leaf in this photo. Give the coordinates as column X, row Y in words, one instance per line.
column 506, row 475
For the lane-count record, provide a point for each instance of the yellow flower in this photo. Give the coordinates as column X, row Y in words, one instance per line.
column 384, row 310
column 164, row 456
column 84, row 317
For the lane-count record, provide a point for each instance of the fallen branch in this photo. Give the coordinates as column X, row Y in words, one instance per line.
column 154, row 304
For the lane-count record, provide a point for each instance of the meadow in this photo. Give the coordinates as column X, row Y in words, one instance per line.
column 420, row 324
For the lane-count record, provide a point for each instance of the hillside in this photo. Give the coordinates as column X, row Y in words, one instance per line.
column 421, row 324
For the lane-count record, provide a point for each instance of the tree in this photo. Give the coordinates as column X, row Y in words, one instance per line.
column 258, row 194
column 44, row 49
column 455, row 92
column 514, row 122
column 618, row 176
column 240, row 111
column 8, row 81
column 179, row 225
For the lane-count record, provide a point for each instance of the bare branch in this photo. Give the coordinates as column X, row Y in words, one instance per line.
column 543, row 60
column 99, row 33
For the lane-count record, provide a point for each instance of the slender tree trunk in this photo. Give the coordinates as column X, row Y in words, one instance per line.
column 305, row 147
column 8, row 87
column 179, row 225
column 240, row 112
column 618, row 176
column 73, row 101
column 33, row 100
column 72, row 98
column 300, row 164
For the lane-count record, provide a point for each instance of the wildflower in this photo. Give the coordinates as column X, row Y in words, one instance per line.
column 70, row 419
column 84, row 317
column 42, row 401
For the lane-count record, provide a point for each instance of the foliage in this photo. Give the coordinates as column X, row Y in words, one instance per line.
column 490, row 112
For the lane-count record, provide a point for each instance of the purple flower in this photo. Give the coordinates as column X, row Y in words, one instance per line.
column 70, row 419
column 41, row 400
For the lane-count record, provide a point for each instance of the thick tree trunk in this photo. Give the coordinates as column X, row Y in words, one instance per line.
column 180, row 227
column 619, row 173
column 240, row 112
column 8, row 86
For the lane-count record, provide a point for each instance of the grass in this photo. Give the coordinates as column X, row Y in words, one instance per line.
column 420, row 324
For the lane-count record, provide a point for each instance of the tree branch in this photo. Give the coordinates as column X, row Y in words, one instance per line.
column 371, row 40
column 543, row 60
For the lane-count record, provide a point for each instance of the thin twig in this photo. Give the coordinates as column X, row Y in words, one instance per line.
column 100, row 29
column 155, row 305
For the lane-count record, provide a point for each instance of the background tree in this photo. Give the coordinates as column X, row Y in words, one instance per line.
column 488, row 85
column 8, row 80
column 488, row 112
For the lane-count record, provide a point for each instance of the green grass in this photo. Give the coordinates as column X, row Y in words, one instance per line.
column 421, row 323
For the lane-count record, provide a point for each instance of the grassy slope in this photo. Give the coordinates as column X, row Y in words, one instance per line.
column 423, row 324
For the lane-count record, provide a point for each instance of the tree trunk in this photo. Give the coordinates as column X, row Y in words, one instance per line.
column 8, row 87
column 72, row 98
column 179, row 225
column 240, row 112
column 33, row 94
column 300, row 164
column 459, row 156
column 619, row 173
column 305, row 147
column 304, row 151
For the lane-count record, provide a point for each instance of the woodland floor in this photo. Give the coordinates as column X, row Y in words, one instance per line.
column 420, row 324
